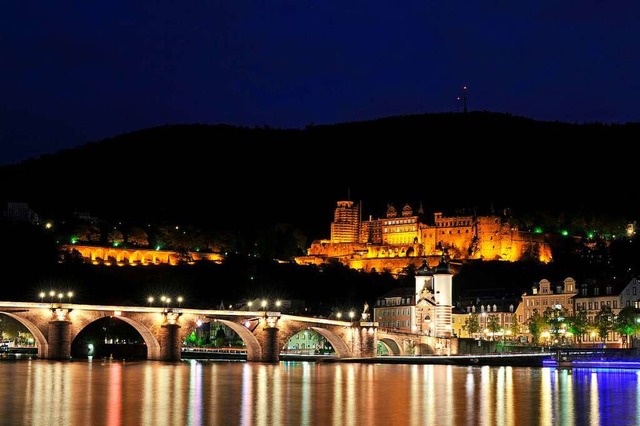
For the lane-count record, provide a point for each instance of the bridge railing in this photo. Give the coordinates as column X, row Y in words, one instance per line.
column 228, row 350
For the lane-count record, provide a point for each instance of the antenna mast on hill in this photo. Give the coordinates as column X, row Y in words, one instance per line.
column 464, row 98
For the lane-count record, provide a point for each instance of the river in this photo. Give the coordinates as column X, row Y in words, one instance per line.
column 113, row 393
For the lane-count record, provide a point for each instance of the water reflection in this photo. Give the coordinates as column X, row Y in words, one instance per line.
column 40, row 392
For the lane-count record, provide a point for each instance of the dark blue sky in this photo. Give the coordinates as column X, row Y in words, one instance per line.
column 76, row 72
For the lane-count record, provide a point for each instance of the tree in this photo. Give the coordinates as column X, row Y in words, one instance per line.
column 604, row 321
column 625, row 322
column 193, row 340
column 578, row 325
column 555, row 319
column 87, row 232
column 137, row 237
column 514, row 327
column 221, row 337
column 471, row 324
column 536, row 325
column 70, row 257
column 183, row 256
column 115, row 237
column 493, row 325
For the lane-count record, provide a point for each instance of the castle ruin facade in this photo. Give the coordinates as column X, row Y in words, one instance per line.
column 407, row 237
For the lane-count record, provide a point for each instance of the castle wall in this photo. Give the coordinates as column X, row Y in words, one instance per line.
column 428, row 238
column 490, row 235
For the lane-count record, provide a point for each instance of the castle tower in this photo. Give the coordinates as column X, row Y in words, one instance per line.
column 345, row 227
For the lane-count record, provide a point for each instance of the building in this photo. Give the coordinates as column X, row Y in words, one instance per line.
column 545, row 296
column 425, row 308
column 494, row 319
column 593, row 296
column 20, row 212
column 630, row 295
column 406, row 238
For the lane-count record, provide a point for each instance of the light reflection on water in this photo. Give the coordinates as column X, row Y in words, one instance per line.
column 40, row 392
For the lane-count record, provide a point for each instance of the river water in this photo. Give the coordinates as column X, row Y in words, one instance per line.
column 103, row 392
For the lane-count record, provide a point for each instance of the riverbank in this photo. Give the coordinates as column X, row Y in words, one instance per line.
column 514, row 360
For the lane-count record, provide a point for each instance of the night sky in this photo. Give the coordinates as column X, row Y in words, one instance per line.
column 76, row 72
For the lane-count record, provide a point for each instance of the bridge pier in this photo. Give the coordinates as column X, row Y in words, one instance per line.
column 271, row 351
column 364, row 340
column 170, row 343
column 59, row 339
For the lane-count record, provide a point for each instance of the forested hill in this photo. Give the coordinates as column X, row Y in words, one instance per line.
column 238, row 177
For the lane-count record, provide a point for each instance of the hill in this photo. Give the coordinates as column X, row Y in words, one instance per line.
column 235, row 177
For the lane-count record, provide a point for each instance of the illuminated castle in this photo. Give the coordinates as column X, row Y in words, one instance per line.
column 400, row 239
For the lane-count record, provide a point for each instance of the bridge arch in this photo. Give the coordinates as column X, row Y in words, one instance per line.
column 339, row 345
column 253, row 346
column 392, row 346
column 342, row 336
column 82, row 319
column 424, row 349
column 41, row 341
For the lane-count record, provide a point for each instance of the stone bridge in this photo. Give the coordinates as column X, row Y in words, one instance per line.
column 55, row 326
